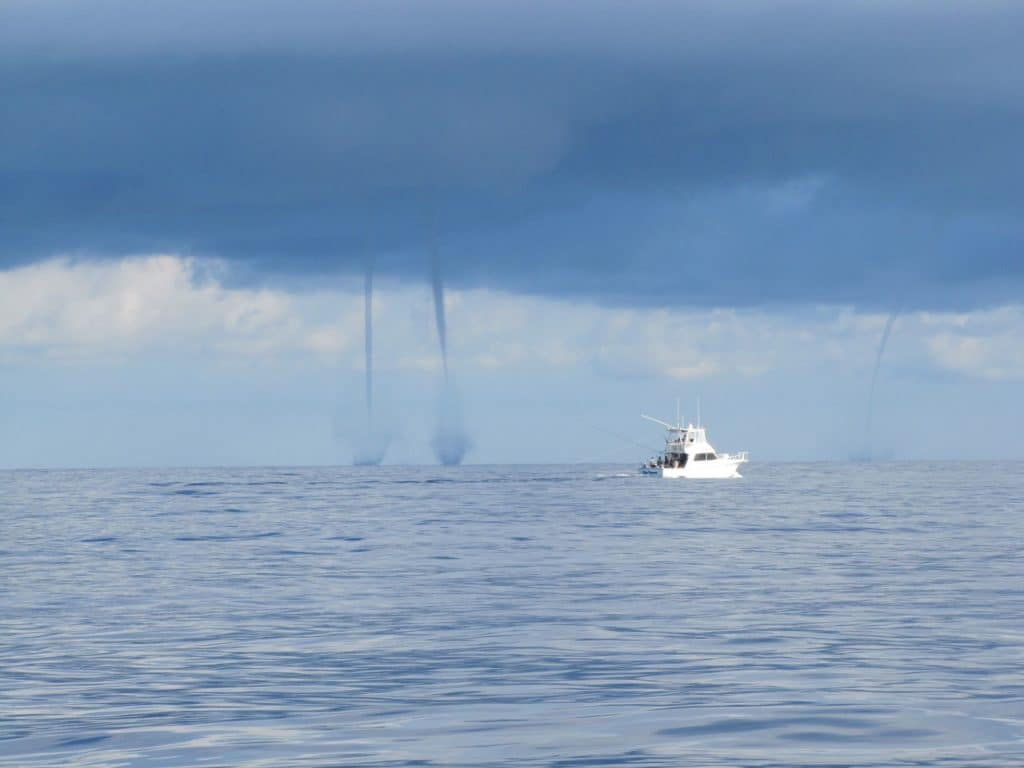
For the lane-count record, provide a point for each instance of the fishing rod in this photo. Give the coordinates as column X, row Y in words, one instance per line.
column 624, row 438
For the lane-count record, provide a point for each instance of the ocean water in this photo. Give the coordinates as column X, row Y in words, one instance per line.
column 807, row 615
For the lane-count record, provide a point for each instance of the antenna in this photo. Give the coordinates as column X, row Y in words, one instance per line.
column 698, row 410
column 679, row 418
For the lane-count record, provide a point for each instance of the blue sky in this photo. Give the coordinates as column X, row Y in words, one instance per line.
column 632, row 202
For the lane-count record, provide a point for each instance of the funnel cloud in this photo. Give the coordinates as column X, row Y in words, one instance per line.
column 450, row 442
column 368, row 326
column 883, row 342
column 437, row 284
column 373, row 444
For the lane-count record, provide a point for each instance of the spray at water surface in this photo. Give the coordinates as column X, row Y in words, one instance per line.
column 450, row 442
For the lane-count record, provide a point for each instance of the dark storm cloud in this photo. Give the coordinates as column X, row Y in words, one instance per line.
column 646, row 152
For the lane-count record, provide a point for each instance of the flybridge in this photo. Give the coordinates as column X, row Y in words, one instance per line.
column 688, row 454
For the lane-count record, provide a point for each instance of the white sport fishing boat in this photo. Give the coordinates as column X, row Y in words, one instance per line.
column 688, row 454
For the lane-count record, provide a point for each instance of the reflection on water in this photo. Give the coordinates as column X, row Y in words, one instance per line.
column 825, row 615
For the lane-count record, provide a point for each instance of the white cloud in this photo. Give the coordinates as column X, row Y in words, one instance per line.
column 86, row 309
column 74, row 310
column 982, row 344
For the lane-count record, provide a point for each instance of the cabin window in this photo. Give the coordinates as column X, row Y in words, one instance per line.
column 711, row 457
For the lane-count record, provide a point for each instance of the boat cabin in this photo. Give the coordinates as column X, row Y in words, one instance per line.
column 686, row 444
column 689, row 454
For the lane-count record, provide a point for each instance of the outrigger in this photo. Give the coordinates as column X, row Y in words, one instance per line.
column 688, row 454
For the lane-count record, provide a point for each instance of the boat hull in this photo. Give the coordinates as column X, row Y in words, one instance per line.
column 720, row 469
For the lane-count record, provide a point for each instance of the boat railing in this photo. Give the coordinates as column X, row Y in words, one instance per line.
column 741, row 456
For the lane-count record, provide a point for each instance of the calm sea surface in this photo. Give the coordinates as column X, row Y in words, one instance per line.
column 809, row 614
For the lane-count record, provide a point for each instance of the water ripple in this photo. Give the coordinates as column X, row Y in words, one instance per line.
column 809, row 615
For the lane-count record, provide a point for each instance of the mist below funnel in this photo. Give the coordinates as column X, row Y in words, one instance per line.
column 450, row 443
column 370, row 448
